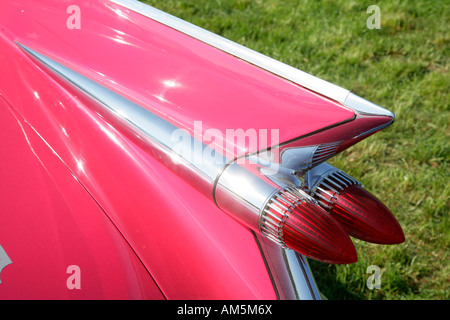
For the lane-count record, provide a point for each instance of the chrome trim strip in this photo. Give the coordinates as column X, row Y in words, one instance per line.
column 281, row 69
column 363, row 106
column 299, row 263
column 143, row 122
column 289, row 271
column 299, row 158
column 304, row 158
column 243, row 194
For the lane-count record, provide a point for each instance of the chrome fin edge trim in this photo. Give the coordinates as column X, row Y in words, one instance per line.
column 289, row 271
column 364, row 106
column 304, row 79
column 137, row 117
column 281, row 69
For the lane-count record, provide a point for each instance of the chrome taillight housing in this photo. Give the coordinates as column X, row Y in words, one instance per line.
column 360, row 213
column 274, row 205
column 294, row 220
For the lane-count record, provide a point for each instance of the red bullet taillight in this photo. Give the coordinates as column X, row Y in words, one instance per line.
column 295, row 220
column 360, row 213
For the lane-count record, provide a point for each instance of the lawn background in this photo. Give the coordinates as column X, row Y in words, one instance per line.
column 403, row 66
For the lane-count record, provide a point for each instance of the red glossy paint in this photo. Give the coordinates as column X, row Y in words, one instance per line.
column 191, row 249
column 348, row 134
column 49, row 223
column 177, row 77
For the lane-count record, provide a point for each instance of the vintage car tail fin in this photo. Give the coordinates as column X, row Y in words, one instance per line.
column 268, row 188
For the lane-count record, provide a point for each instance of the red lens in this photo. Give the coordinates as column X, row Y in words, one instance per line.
column 311, row 231
column 364, row 217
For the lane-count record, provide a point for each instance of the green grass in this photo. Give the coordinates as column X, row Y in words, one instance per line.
column 404, row 66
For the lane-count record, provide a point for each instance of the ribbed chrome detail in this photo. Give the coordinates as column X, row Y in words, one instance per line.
column 330, row 184
column 324, row 152
column 277, row 209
